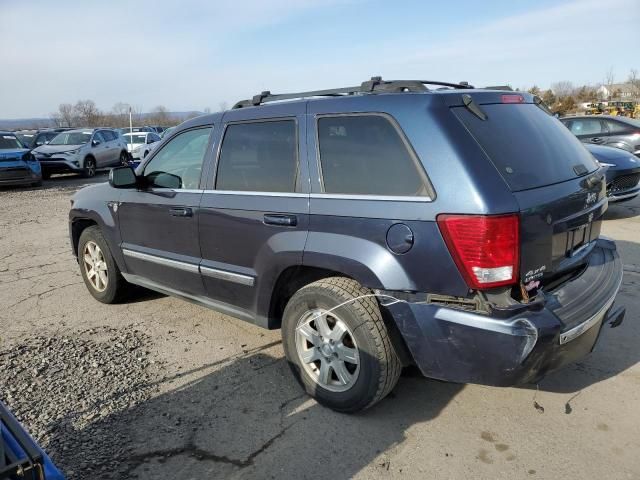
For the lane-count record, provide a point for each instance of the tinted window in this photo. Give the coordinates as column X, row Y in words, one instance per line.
column 108, row 135
column 179, row 163
column 585, row 126
column 366, row 155
column 526, row 145
column 98, row 136
column 259, row 157
column 41, row 139
column 617, row 127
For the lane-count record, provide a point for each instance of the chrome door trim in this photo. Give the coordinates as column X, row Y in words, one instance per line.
column 226, row 275
column 192, row 268
column 184, row 266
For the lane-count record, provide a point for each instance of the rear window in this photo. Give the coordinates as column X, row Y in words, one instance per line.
column 529, row 148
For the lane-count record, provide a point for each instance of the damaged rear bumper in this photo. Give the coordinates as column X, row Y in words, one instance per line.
column 505, row 348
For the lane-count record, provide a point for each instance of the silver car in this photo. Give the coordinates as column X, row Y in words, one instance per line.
column 83, row 150
column 618, row 132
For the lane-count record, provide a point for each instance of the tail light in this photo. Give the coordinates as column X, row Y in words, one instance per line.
column 486, row 248
column 512, row 98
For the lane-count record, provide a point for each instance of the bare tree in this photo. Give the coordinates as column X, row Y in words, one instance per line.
column 222, row 106
column 159, row 116
column 87, row 113
column 634, row 81
column 534, row 90
column 609, row 80
column 562, row 89
column 64, row 117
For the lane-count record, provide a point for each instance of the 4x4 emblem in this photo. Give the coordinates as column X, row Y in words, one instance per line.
column 591, row 198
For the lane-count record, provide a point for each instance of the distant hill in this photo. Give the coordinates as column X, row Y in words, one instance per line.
column 18, row 123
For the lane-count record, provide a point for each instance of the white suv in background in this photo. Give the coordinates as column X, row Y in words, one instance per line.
column 139, row 144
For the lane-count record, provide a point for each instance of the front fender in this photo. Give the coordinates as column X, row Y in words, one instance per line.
column 97, row 204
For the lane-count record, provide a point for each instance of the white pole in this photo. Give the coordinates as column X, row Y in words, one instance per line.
column 130, row 131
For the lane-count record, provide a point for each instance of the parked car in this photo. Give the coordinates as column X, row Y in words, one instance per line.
column 623, row 172
column 158, row 128
column 20, row 456
column 82, row 151
column 35, row 138
column 123, row 131
column 17, row 165
column 140, row 144
column 618, row 132
column 378, row 226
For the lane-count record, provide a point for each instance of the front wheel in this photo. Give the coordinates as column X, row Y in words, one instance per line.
column 99, row 271
column 342, row 356
column 89, row 168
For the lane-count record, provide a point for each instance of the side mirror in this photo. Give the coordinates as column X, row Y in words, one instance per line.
column 95, row 143
column 122, row 177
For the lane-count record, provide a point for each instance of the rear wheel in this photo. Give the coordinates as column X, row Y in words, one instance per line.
column 342, row 356
column 89, row 167
column 124, row 158
column 99, row 271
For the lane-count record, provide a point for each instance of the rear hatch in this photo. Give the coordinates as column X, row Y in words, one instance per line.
column 557, row 183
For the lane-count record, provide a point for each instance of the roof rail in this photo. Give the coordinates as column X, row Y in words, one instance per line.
column 375, row 85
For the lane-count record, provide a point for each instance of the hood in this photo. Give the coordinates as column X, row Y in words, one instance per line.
column 12, row 153
column 47, row 149
column 616, row 156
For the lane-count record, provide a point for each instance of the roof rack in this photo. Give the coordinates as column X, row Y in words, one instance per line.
column 375, row 85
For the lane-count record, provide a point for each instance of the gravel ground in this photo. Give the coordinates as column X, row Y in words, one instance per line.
column 160, row 388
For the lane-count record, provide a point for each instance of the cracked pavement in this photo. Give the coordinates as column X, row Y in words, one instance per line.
column 224, row 404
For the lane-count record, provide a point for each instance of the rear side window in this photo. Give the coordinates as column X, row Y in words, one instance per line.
column 618, row 127
column 108, row 135
column 366, row 155
column 258, row 157
column 585, row 126
column 527, row 146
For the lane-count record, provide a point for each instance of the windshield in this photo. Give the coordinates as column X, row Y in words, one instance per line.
column 9, row 142
column 26, row 138
column 133, row 138
column 71, row 138
column 527, row 146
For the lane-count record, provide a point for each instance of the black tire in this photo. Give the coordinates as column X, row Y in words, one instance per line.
column 116, row 286
column 89, row 169
column 379, row 365
column 124, row 158
column 37, row 184
column 46, row 175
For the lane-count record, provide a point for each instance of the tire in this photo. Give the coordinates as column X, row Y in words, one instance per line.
column 115, row 289
column 124, row 158
column 46, row 175
column 89, row 169
column 37, row 184
column 376, row 368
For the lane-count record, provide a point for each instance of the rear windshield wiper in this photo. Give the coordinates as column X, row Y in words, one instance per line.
column 473, row 106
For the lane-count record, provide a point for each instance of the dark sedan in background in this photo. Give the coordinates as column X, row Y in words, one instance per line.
column 618, row 132
column 18, row 166
column 623, row 171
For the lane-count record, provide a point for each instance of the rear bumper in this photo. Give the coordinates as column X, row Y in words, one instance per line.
column 510, row 347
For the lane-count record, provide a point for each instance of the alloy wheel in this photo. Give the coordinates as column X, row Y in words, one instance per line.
column 95, row 266
column 327, row 350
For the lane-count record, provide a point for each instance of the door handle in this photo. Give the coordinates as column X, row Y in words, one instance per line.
column 281, row 220
column 181, row 212
column 596, row 140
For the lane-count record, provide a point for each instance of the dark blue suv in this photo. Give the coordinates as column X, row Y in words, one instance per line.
column 378, row 226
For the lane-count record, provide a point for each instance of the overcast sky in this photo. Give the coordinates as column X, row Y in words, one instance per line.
column 193, row 54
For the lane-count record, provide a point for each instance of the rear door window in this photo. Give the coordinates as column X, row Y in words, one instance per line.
column 618, row 128
column 259, row 157
column 527, row 146
column 366, row 155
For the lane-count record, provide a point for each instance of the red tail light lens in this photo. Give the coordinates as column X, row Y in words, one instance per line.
column 510, row 98
column 486, row 248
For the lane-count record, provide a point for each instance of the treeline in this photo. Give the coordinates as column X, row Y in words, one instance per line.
column 85, row 113
column 565, row 97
